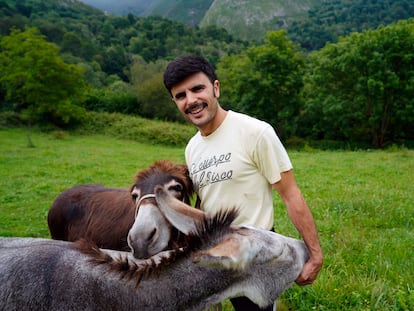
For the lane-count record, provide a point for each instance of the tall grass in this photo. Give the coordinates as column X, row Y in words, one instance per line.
column 362, row 202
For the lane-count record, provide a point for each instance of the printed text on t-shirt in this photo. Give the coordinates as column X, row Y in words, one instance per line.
column 206, row 171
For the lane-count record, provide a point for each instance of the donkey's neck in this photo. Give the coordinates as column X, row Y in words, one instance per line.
column 181, row 285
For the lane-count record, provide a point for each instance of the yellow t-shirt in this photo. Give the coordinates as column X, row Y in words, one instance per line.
column 235, row 166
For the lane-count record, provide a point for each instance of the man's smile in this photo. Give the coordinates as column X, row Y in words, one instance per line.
column 196, row 108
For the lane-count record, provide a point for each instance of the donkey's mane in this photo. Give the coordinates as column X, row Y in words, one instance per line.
column 211, row 230
column 126, row 268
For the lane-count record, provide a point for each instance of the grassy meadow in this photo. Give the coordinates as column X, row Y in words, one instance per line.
column 362, row 201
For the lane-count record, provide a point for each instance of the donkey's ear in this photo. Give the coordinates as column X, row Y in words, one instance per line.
column 181, row 216
column 231, row 253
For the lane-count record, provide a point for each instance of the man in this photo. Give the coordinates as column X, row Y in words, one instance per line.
column 236, row 160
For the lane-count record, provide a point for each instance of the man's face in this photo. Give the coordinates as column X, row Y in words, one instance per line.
column 197, row 99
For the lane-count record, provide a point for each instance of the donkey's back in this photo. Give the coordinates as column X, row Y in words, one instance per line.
column 103, row 215
column 39, row 274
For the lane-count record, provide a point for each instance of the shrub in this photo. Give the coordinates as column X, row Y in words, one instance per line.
column 10, row 119
column 137, row 129
column 108, row 101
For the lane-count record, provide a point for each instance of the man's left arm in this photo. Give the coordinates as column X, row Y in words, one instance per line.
column 302, row 219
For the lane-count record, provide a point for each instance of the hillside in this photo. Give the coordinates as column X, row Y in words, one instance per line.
column 246, row 19
column 109, row 44
column 189, row 12
column 310, row 23
column 332, row 19
column 252, row 19
column 120, row 7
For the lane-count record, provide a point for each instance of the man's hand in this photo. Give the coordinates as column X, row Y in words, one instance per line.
column 309, row 272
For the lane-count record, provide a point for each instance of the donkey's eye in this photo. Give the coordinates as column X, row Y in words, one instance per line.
column 177, row 187
column 134, row 197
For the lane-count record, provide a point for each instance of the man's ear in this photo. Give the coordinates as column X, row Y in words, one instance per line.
column 216, row 88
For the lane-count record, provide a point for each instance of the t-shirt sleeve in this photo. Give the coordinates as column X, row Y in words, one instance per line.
column 270, row 155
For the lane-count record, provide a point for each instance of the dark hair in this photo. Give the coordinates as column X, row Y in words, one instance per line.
column 184, row 66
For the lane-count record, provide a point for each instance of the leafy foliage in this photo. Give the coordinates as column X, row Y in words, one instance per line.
column 362, row 88
column 137, row 129
column 110, row 100
column 33, row 75
column 110, row 40
column 329, row 20
column 106, row 47
column 265, row 81
column 154, row 101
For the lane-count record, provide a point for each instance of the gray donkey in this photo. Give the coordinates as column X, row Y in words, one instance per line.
column 217, row 261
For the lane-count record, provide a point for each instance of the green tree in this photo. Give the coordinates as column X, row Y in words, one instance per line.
column 153, row 99
column 155, row 102
column 329, row 20
column 117, row 97
column 140, row 70
column 44, row 88
column 265, row 81
column 115, row 59
column 362, row 88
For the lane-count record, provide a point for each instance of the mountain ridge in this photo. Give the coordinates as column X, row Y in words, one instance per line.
column 120, row 7
column 255, row 17
column 189, row 12
column 311, row 23
column 246, row 19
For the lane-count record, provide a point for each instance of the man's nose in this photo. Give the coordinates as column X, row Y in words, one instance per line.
column 191, row 97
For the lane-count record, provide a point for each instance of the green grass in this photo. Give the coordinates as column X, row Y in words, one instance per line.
column 363, row 205
column 31, row 177
column 362, row 202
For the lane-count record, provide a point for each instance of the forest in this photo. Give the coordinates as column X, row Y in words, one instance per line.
column 335, row 18
column 354, row 84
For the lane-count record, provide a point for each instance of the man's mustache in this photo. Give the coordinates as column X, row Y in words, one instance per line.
column 195, row 106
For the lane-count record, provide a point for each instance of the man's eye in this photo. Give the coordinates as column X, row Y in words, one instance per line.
column 179, row 96
column 198, row 88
